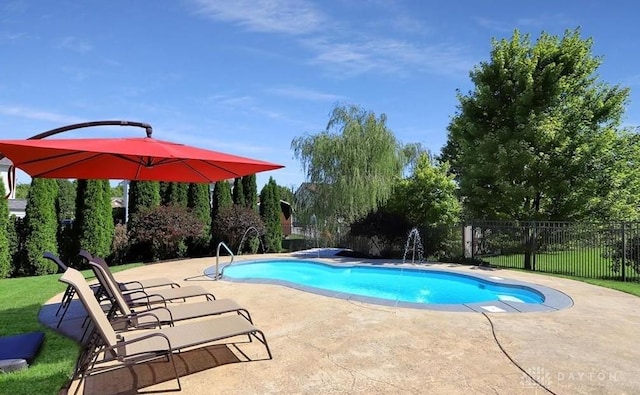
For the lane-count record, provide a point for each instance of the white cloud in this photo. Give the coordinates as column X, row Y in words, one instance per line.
column 283, row 16
column 13, row 36
column 306, row 94
column 633, row 80
column 344, row 49
column 389, row 56
column 30, row 113
column 537, row 22
column 493, row 24
column 75, row 44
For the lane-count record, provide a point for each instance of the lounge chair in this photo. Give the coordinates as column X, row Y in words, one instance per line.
column 143, row 346
column 67, row 297
column 147, row 297
column 136, row 284
column 169, row 314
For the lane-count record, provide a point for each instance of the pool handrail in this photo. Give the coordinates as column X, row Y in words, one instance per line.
column 217, row 274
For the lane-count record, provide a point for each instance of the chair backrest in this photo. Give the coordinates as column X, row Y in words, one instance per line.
column 101, row 269
column 85, row 254
column 56, row 259
column 75, row 279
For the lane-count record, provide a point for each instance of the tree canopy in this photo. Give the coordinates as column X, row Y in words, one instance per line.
column 352, row 164
column 539, row 138
column 428, row 196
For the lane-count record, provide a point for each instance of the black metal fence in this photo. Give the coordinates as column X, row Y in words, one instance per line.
column 608, row 250
column 593, row 250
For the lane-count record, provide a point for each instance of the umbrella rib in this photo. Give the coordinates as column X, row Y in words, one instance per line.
column 49, row 171
column 53, row 157
column 235, row 175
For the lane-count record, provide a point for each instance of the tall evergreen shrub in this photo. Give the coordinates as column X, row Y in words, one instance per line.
column 250, row 187
column 238, row 192
column 199, row 203
column 270, row 213
column 174, row 193
column 94, row 223
column 221, row 198
column 41, row 226
column 143, row 194
column 5, row 255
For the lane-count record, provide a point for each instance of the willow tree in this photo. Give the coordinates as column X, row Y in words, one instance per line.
column 351, row 166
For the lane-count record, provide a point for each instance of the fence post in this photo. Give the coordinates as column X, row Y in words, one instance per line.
column 473, row 241
column 533, row 246
column 624, row 252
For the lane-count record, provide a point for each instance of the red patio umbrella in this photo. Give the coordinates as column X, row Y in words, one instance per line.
column 144, row 159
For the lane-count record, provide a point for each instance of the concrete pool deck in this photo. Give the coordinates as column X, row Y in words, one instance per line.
column 328, row 345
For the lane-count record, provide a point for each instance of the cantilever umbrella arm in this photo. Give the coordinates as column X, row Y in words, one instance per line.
column 51, row 132
column 62, row 129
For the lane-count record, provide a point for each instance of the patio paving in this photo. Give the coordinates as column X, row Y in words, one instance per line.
column 334, row 346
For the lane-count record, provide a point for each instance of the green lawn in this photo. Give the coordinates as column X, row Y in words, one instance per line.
column 20, row 301
column 585, row 265
column 584, row 262
column 632, row 288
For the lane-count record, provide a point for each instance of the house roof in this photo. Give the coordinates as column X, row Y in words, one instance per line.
column 286, row 208
column 17, row 204
column 117, row 202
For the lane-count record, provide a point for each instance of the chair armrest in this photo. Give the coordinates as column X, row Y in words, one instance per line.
column 121, row 344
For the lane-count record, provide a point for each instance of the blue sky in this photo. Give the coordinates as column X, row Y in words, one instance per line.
column 246, row 77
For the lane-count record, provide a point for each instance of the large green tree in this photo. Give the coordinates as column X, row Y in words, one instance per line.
column 22, row 190
column 5, row 255
column 41, row 226
column 352, row 165
column 539, row 138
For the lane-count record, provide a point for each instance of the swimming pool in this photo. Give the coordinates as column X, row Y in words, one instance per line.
column 391, row 285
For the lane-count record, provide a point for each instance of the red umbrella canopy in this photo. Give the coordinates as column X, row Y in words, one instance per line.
column 144, row 159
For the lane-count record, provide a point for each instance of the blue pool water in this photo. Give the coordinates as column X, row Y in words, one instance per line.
column 396, row 284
